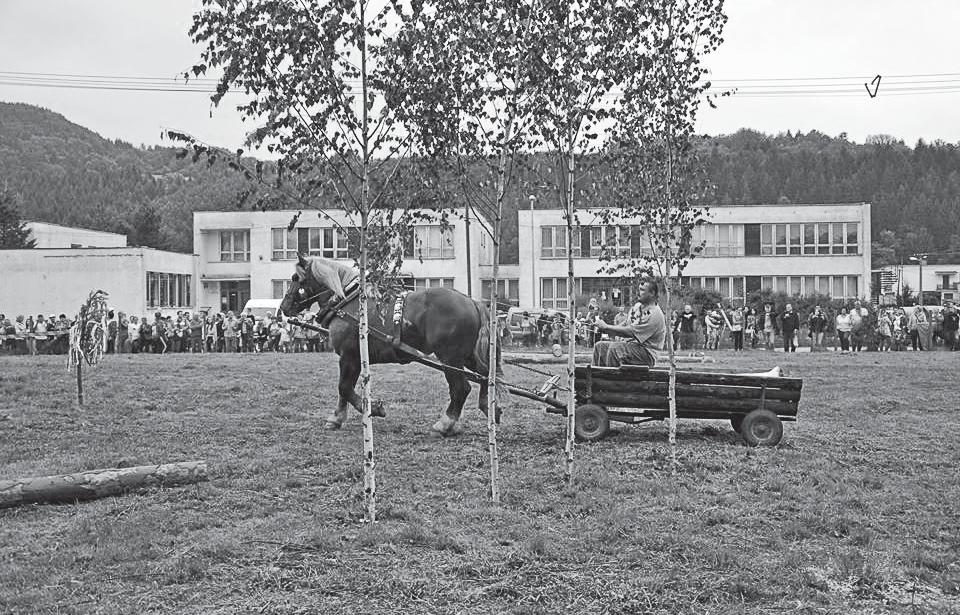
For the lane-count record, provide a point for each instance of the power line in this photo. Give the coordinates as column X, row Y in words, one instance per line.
column 760, row 87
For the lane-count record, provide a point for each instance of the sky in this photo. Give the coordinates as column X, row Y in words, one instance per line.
column 781, row 55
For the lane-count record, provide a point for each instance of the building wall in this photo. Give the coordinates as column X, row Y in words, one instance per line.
column 534, row 267
column 934, row 277
column 56, row 236
column 59, row 281
column 261, row 270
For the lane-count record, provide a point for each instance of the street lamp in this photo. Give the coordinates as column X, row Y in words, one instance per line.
column 920, row 259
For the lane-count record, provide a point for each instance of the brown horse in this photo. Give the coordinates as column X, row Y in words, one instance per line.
column 436, row 321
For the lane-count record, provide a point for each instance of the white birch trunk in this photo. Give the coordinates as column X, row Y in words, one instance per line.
column 369, row 462
column 571, row 312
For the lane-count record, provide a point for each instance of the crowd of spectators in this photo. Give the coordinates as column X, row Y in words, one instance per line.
column 180, row 333
column 852, row 328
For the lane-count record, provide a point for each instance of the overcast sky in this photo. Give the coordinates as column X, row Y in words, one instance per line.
column 787, row 40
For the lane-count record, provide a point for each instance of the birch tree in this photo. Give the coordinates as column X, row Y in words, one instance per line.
column 310, row 73
column 582, row 60
column 655, row 176
column 470, row 105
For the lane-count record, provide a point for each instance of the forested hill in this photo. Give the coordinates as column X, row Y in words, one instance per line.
column 69, row 175
column 66, row 174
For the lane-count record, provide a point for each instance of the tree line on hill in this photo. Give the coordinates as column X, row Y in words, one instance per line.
column 65, row 174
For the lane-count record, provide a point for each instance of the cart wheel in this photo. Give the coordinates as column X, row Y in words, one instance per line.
column 592, row 423
column 736, row 421
column 761, row 428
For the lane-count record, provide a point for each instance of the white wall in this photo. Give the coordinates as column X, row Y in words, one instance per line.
column 56, row 236
column 59, row 281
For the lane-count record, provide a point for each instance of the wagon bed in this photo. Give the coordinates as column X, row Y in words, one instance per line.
column 755, row 405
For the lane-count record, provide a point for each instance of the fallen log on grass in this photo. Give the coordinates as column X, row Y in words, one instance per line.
column 93, row 484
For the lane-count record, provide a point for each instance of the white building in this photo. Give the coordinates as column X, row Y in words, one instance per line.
column 139, row 281
column 939, row 284
column 244, row 254
column 795, row 249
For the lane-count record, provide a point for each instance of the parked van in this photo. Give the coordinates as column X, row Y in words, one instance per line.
column 263, row 307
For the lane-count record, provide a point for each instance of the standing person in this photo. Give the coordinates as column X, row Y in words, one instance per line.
column 593, row 316
column 123, row 333
column 146, row 336
column 230, row 333
column 133, row 334
column 274, row 334
column 858, row 319
column 924, row 328
column 767, row 322
column 687, row 325
column 713, row 323
column 789, row 325
column 39, row 331
column 912, row 322
column 884, row 331
column 112, row 331
column 951, row 323
column 218, row 324
column 844, row 327
column 645, row 334
column 750, row 325
column 737, row 319
column 899, row 330
column 817, row 325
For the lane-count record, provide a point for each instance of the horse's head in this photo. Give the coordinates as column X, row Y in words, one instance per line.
column 305, row 289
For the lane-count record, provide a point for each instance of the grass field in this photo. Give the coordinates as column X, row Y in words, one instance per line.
column 857, row 511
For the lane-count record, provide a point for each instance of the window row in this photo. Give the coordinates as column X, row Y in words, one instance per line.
column 837, row 286
column 169, row 290
column 553, row 291
column 592, row 241
column 425, row 283
column 809, row 238
column 325, row 242
column 719, row 239
column 426, row 242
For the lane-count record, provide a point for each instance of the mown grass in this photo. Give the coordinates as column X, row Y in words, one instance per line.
column 857, row 511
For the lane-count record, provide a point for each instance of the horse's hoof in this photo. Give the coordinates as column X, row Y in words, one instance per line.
column 434, row 433
column 331, row 426
column 378, row 409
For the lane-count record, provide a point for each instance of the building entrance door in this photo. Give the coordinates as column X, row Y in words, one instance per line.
column 234, row 295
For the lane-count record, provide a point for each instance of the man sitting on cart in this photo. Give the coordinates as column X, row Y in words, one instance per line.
column 645, row 333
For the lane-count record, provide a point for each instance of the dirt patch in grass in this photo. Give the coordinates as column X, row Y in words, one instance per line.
column 855, row 512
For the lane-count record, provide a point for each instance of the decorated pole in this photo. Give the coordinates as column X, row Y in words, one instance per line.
column 88, row 336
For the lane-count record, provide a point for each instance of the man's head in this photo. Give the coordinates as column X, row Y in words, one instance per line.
column 687, row 308
column 788, row 307
column 767, row 307
column 649, row 292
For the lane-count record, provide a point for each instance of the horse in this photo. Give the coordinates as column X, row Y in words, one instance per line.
column 437, row 321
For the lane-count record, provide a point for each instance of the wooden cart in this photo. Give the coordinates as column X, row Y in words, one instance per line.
column 756, row 406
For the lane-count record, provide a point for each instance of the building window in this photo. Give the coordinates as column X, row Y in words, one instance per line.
column 284, row 244
column 719, row 239
column 553, row 242
column 235, row 246
column 425, row 283
column 508, row 291
column 169, row 290
column 553, row 293
column 430, row 242
column 335, row 242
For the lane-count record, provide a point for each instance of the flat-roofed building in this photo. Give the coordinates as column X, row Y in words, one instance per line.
column 243, row 255
column 795, row 249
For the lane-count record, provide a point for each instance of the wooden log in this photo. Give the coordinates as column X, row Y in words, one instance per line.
column 689, row 390
column 93, row 484
column 636, row 400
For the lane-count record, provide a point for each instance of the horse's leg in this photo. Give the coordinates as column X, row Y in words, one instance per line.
column 459, row 390
column 349, row 373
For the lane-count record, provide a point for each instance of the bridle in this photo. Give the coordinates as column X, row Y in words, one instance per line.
column 304, row 302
